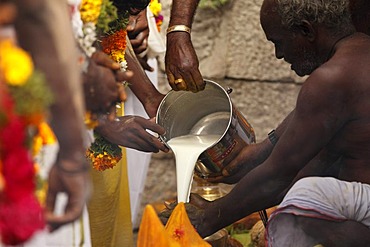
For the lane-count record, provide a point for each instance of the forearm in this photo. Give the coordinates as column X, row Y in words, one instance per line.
column 182, row 12
column 43, row 29
column 141, row 85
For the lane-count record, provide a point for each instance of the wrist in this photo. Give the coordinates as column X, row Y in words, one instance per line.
column 178, row 28
column 72, row 162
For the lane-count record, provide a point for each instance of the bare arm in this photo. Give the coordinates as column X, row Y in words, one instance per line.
column 141, row 85
column 249, row 157
column 44, row 29
column 314, row 122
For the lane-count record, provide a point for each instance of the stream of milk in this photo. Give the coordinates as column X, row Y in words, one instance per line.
column 187, row 149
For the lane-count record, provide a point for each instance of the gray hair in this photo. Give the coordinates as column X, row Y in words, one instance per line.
column 333, row 14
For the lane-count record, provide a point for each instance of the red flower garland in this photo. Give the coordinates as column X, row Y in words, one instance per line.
column 20, row 212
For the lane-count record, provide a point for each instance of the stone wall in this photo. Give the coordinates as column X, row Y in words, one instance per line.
column 230, row 43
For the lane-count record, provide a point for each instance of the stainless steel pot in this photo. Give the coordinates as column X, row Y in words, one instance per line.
column 208, row 112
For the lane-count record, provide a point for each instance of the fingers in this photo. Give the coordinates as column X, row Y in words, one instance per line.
column 191, row 80
column 122, row 95
column 112, row 113
column 144, row 63
column 176, row 84
column 197, row 200
column 73, row 212
column 123, row 75
column 140, row 43
column 103, row 59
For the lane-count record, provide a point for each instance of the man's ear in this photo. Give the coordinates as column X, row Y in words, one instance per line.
column 307, row 30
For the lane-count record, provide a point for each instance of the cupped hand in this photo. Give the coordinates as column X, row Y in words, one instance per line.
column 194, row 209
column 132, row 132
column 75, row 183
column 237, row 166
column 182, row 63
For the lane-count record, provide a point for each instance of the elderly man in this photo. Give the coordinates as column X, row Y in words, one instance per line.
column 329, row 128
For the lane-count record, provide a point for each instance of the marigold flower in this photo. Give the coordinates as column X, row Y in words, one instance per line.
column 11, row 55
column 115, row 45
column 90, row 10
column 155, row 7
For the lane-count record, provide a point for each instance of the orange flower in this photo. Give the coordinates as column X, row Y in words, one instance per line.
column 115, row 45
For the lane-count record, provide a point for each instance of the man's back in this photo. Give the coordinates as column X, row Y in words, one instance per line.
column 345, row 81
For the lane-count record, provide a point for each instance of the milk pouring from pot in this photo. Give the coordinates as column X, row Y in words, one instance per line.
column 201, row 129
column 187, row 149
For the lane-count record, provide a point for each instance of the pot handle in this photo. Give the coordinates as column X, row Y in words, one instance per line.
column 229, row 90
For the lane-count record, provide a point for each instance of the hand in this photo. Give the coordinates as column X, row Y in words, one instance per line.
column 195, row 210
column 238, row 165
column 131, row 132
column 77, row 187
column 182, row 63
column 102, row 84
column 144, row 63
column 138, row 31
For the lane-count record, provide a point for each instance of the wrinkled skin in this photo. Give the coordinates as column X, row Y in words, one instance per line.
column 181, row 60
column 103, row 84
column 131, row 132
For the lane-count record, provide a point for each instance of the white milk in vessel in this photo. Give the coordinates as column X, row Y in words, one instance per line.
column 187, row 149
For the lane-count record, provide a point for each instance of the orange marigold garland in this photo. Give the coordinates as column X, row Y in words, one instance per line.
column 115, row 45
column 103, row 154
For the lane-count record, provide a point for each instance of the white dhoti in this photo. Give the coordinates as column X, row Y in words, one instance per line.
column 322, row 198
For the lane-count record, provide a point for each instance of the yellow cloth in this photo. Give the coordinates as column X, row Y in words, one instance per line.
column 109, row 207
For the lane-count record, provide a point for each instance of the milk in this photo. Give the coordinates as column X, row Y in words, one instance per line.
column 187, row 149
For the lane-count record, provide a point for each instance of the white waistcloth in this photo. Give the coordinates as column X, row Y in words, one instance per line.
column 323, row 198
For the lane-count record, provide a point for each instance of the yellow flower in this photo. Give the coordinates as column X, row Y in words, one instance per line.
column 36, row 145
column 16, row 64
column 155, row 7
column 90, row 123
column 117, row 56
column 46, row 133
column 90, row 10
column 102, row 161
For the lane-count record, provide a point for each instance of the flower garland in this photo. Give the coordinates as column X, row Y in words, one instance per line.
column 89, row 12
column 102, row 154
column 156, row 7
column 22, row 108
